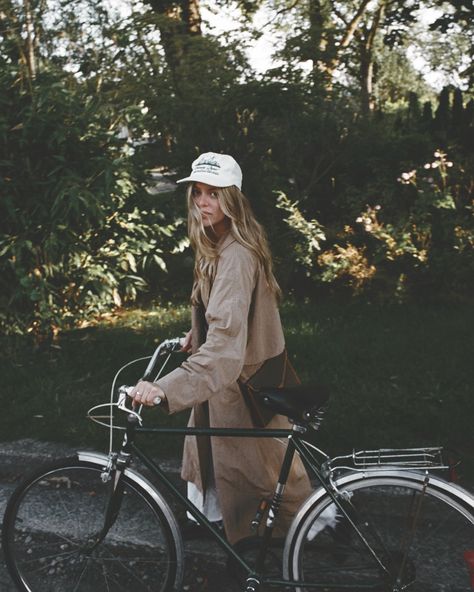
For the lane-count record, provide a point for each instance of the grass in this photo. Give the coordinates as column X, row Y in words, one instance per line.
column 48, row 390
column 400, row 375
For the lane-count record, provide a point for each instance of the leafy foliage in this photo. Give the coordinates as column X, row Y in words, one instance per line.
column 426, row 246
column 92, row 98
column 310, row 230
column 75, row 240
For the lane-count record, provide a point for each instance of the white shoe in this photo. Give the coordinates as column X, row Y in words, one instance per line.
column 329, row 517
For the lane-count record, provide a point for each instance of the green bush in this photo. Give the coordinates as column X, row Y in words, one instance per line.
column 75, row 240
column 424, row 247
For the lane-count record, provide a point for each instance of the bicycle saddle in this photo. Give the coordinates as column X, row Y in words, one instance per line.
column 302, row 404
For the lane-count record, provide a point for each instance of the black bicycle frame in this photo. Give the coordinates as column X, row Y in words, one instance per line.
column 293, row 436
column 198, row 515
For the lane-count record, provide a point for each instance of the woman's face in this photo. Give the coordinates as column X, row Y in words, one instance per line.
column 207, row 202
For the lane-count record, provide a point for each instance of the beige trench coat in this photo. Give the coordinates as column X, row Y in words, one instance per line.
column 244, row 330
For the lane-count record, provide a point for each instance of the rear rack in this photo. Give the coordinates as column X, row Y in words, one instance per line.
column 400, row 458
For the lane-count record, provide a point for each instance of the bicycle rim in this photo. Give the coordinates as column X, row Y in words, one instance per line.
column 52, row 518
column 423, row 538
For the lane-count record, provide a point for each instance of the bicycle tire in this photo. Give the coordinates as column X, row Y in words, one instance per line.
column 55, row 512
column 424, row 533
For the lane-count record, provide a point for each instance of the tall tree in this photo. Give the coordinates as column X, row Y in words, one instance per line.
column 178, row 21
column 366, row 37
column 342, row 38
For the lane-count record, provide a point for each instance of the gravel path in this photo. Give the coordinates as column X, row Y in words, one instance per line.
column 205, row 563
column 205, row 567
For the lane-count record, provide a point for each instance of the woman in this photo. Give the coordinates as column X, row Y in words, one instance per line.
column 235, row 330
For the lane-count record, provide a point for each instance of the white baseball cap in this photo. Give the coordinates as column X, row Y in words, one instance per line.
column 218, row 170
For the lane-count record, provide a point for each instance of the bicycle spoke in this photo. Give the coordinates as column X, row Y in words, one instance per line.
column 81, row 576
column 50, row 539
column 416, row 533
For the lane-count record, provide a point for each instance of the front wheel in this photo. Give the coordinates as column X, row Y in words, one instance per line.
column 420, row 534
column 53, row 516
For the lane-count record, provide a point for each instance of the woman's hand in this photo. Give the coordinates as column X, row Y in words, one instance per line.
column 186, row 342
column 147, row 393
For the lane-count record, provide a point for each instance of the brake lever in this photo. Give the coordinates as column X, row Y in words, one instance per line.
column 124, row 392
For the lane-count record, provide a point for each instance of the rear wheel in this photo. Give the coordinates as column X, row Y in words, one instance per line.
column 53, row 516
column 423, row 538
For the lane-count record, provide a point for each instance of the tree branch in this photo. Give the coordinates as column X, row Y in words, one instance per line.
column 349, row 33
column 375, row 25
column 280, row 12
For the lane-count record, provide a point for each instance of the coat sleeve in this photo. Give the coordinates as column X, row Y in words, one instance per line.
column 219, row 361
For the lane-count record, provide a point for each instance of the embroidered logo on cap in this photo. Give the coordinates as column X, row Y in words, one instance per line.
column 208, row 164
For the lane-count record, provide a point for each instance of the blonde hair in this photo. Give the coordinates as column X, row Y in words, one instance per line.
column 243, row 227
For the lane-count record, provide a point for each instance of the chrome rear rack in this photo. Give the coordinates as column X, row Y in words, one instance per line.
column 402, row 458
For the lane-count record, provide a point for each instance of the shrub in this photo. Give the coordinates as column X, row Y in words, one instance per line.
column 424, row 246
column 75, row 240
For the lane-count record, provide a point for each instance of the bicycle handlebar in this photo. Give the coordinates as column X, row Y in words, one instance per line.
column 166, row 347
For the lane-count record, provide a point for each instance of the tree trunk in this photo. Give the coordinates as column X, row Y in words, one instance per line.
column 30, row 40
column 318, row 32
column 191, row 16
column 180, row 19
column 366, row 74
column 366, row 68
column 328, row 54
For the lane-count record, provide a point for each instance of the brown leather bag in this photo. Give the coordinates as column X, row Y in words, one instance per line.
column 275, row 372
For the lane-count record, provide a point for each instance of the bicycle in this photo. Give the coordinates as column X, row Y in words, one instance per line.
column 381, row 520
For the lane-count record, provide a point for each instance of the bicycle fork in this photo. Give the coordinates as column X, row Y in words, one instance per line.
column 114, row 474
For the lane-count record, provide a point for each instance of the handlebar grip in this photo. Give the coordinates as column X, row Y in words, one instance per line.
column 127, row 390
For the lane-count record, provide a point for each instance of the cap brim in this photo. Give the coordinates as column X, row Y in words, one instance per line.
column 185, row 180
column 205, row 178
